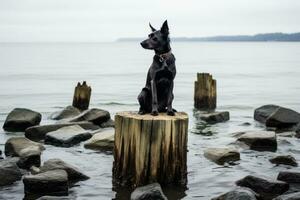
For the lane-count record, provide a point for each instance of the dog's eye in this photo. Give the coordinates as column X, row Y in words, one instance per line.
column 151, row 35
column 155, row 39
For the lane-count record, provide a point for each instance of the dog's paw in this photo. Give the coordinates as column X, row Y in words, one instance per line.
column 154, row 112
column 141, row 112
column 171, row 113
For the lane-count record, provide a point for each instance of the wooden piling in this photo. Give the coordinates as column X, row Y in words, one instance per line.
column 82, row 95
column 150, row 149
column 205, row 95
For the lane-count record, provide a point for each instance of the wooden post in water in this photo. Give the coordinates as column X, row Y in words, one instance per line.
column 82, row 95
column 205, row 96
column 150, row 149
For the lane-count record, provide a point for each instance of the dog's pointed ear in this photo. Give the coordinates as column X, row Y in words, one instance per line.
column 152, row 28
column 165, row 28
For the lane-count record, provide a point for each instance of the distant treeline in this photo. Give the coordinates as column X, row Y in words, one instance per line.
column 281, row 37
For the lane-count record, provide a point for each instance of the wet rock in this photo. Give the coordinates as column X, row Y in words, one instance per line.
column 28, row 151
column 265, row 188
column 293, row 196
column 284, row 160
column 20, row 118
column 149, row 192
column 74, row 174
column 222, row 155
column 215, row 117
column 67, row 136
column 9, row 172
column 103, row 140
column 283, row 118
column 53, row 182
column 245, row 124
column 54, row 198
column 37, row 133
column 289, row 177
column 68, row 112
column 259, row 140
column 109, row 124
column 262, row 113
column 287, row 134
column 238, row 194
column 94, row 115
column 297, row 130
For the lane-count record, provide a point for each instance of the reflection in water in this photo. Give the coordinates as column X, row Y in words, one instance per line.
column 200, row 127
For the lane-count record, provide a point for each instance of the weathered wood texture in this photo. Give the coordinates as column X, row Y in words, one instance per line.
column 150, row 149
column 205, row 96
column 82, row 95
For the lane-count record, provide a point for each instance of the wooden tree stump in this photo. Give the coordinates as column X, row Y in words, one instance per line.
column 150, row 149
column 205, row 96
column 82, row 95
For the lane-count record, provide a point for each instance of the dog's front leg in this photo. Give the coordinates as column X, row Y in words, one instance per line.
column 154, row 98
column 170, row 110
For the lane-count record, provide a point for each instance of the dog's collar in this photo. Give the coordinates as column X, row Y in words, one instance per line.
column 163, row 57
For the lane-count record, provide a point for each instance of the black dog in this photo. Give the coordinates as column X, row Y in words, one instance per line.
column 157, row 96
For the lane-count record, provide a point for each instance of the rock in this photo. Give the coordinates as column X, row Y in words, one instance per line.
column 28, row 151
column 222, row 155
column 103, row 140
column 149, row 192
column 265, row 188
column 283, row 118
column 293, row 196
column 94, row 115
column 287, row 134
column 238, row 194
column 67, row 136
column 20, row 118
column 54, row 198
column 73, row 173
column 245, row 124
column 262, row 113
column 9, row 172
column 284, row 160
column 260, row 140
column 53, row 182
column 37, row 133
column 68, row 112
column 289, row 177
column 109, row 124
column 215, row 117
column 297, row 130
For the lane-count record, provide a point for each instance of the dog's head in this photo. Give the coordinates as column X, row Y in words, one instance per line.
column 158, row 40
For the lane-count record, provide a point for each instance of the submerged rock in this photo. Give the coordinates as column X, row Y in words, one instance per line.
column 265, row 188
column 109, row 124
column 289, row 177
column 53, row 182
column 28, row 151
column 293, row 196
column 20, row 118
column 9, row 172
column 222, row 155
column 215, row 117
column 284, row 160
column 262, row 113
column 68, row 112
column 283, row 118
column 259, row 140
column 149, row 192
column 37, row 133
column 67, row 136
column 238, row 194
column 103, row 140
column 74, row 174
column 94, row 115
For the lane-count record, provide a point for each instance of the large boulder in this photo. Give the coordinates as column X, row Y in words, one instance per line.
column 149, row 192
column 74, row 174
column 289, row 177
column 94, row 115
column 37, row 133
column 103, row 140
column 283, row 118
column 9, row 172
column 259, row 140
column 262, row 113
column 67, row 136
column 265, row 188
column 21, row 118
column 215, row 117
column 222, row 155
column 28, row 151
column 292, row 196
column 238, row 194
column 284, row 160
column 53, row 182
column 68, row 112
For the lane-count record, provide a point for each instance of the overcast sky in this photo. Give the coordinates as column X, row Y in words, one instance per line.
column 101, row 20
